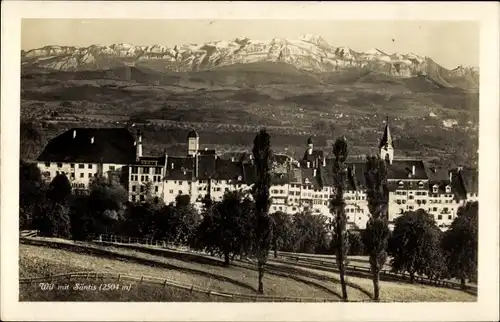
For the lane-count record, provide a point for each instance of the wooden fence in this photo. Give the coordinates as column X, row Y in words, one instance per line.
column 161, row 282
column 385, row 273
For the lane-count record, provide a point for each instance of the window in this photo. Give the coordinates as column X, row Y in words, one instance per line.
column 133, row 188
column 448, row 189
column 90, row 166
column 180, row 192
column 157, row 170
column 81, row 166
column 90, row 175
column 434, row 209
column 59, row 165
column 226, row 189
column 133, row 199
column 142, row 188
column 111, row 167
column 180, row 183
column 135, row 170
column 171, row 191
column 449, row 217
column 72, row 165
column 156, row 189
column 142, row 197
column 73, row 176
column 47, row 164
column 142, row 178
column 434, row 189
column 145, row 170
column 440, row 217
column 81, row 175
column 147, row 178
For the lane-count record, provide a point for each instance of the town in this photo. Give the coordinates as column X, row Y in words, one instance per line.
column 297, row 185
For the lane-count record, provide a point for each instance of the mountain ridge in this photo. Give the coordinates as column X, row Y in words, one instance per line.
column 310, row 53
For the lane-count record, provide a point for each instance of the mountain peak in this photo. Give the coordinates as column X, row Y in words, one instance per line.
column 308, row 52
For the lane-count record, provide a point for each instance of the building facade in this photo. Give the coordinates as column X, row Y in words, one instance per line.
column 297, row 185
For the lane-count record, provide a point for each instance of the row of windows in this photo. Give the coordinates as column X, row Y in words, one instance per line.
column 142, row 188
column 146, row 170
column 135, row 177
column 72, row 166
column 72, row 175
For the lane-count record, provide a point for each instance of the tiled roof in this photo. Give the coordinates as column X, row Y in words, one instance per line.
column 91, row 145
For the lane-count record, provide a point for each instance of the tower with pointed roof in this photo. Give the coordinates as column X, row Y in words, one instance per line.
column 386, row 147
column 193, row 142
column 310, row 145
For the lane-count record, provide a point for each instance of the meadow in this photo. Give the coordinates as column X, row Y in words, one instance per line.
column 283, row 278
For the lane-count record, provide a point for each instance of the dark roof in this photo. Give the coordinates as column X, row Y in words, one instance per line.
column 193, row 134
column 207, row 152
column 386, row 137
column 402, row 169
column 144, row 160
column 110, row 145
column 228, row 170
column 207, row 166
column 249, row 174
column 470, row 180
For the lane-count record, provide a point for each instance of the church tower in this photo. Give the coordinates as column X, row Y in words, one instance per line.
column 386, row 147
column 193, row 143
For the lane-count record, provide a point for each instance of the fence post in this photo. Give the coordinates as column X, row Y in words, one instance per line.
column 165, row 284
column 142, row 278
column 119, row 275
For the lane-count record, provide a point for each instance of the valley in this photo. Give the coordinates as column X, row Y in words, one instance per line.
column 434, row 112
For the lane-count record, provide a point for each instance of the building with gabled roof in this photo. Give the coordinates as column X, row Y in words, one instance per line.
column 84, row 153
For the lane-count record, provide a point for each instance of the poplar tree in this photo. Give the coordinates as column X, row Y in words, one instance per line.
column 337, row 205
column 263, row 228
column 376, row 235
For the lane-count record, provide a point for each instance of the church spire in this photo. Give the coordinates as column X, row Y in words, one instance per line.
column 386, row 147
column 386, row 140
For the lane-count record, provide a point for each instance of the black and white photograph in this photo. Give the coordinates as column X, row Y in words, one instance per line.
column 215, row 159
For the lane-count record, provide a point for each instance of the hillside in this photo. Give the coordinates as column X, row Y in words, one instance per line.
column 434, row 112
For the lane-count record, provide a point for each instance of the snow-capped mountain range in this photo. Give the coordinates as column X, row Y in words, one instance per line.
column 308, row 52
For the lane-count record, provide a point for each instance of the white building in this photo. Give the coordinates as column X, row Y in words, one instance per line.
column 83, row 153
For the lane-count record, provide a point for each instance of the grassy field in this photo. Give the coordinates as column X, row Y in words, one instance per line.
column 282, row 278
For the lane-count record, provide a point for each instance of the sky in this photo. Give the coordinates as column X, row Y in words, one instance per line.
column 449, row 43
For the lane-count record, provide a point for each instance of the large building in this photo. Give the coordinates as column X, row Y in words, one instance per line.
column 300, row 185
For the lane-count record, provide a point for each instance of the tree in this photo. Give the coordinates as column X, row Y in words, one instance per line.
column 31, row 192
column 337, row 205
column 415, row 244
column 59, row 190
column 376, row 235
column 181, row 221
column 227, row 227
column 262, row 155
column 107, row 200
column 310, row 234
column 282, row 230
column 460, row 244
column 52, row 220
column 356, row 246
